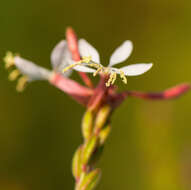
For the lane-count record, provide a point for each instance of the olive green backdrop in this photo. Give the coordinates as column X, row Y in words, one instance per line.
column 150, row 144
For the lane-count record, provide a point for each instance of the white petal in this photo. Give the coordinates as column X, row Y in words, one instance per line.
column 136, row 69
column 61, row 58
column 121, row 53
column 30, row 69
column 88, row 50
column 58, row 53
column 84, row 69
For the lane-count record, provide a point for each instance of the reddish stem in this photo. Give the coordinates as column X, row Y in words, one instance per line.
column 115, row 99
column 100, row 94
column 80, row 93
column 170, row 93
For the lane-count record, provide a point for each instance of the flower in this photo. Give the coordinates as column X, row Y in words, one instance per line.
column 60, row 58
column 75, row 54
column 90, row 57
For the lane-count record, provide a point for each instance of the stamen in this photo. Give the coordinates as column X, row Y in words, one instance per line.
column 86, row 59
column 98, row 70
column 14, row 75
column 123, row 77
column 9, row 60
column 112, row 78
column 21, row 83
column 95, row 65
column 71, row 66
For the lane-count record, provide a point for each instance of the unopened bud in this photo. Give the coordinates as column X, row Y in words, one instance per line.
column 88, row 149
column 90, row 180
column 76, row 163
column 102, row 118
column 87, row 124
column 104, row 133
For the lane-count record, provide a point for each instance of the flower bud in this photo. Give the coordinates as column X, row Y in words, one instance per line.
column 76, row 163
column 87, row 124
column 90, row 180
column 88, row 149
column 102, row 118
column 104, row 133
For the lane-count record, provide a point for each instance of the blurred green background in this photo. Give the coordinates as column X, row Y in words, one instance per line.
column 150, row 144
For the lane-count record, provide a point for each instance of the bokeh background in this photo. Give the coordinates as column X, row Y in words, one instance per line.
column 150, row 144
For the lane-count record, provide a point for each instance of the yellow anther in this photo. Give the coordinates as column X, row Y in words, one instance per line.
column 9, row 60
column 114, row 78
column 14, row 74
column 111, row 79
column 86, row 59
column 21, row 83
column 95, row 65
column 123, row 77
column 98, row 70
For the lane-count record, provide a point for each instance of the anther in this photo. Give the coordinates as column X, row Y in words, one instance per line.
column 9, row 60
column 86, row 59
column 14, row 75
column 114, row 78
column 96, row 72
column 111, row 78
column 21, row 83
column 123, row 77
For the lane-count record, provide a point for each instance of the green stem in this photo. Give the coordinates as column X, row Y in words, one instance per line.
column 95, row 130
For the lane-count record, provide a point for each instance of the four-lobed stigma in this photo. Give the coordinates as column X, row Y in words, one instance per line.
column 15, row 74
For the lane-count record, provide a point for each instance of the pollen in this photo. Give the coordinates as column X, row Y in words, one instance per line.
column 112, row 79
column 21, row 83
column 9, row 60
column 86, row 59
column 98, row 71
column 123, row 77
column 14, row 75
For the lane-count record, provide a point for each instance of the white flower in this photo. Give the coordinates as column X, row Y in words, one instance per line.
column 60, row 58
column 120, row 55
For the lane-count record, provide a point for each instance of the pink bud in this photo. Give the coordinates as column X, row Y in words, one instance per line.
column 72, row 43
column 73, row 47
column 176, row 91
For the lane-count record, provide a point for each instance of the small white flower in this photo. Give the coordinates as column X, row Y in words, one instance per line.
column 60, row 58
column 120, row 55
